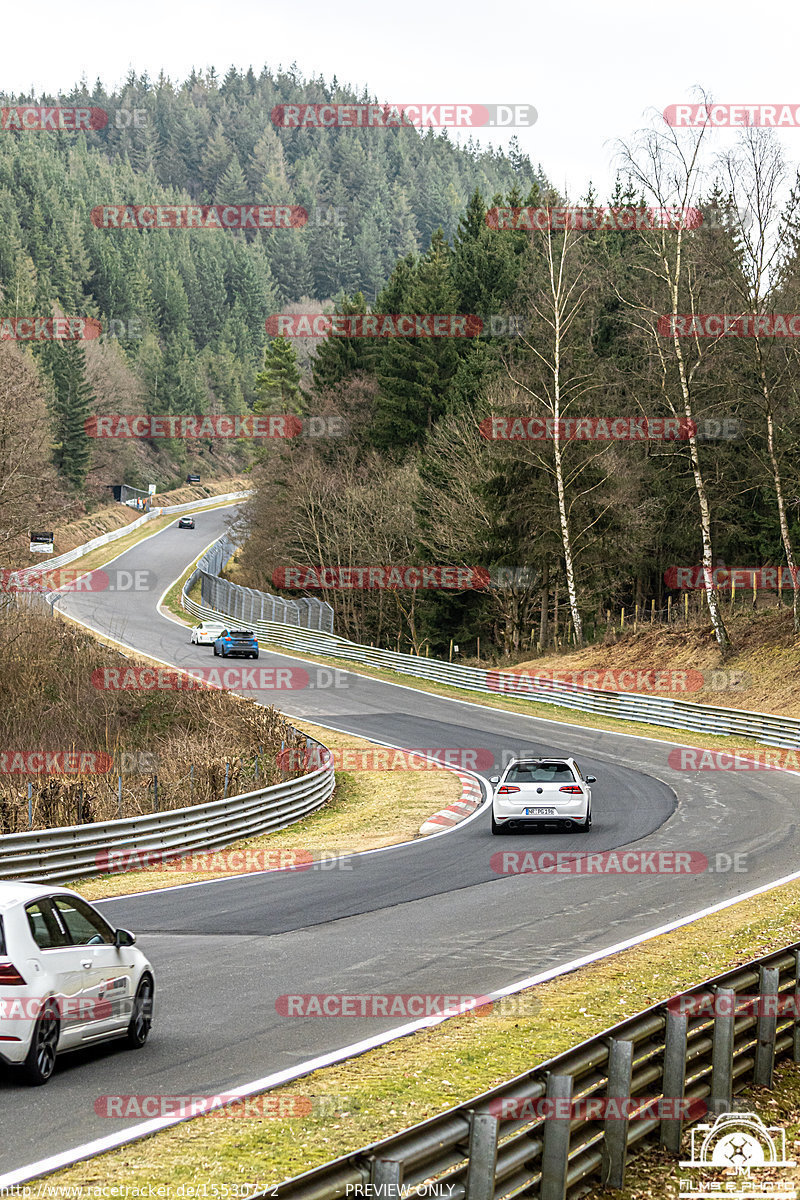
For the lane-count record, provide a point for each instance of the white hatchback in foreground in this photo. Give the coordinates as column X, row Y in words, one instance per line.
column 67, row 979
column 542, row 791
column 207, row 633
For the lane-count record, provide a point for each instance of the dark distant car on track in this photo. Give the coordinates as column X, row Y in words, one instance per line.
column 186, row 523
column 542, row 791
column 192, row 478
column 236, row 641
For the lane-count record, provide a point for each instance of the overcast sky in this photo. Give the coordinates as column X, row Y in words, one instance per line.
column 594, row 71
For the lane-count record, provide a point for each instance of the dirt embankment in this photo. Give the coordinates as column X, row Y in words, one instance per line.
column 115, row 516
column 683, row 662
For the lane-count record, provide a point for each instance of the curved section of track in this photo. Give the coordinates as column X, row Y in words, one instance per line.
column 224, row 951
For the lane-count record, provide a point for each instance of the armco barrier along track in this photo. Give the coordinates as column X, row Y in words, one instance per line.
column 663, row 1052
column 105, row 538
column 58, row 855
column 627, row 706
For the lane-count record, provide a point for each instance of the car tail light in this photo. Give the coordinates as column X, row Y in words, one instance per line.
column 573, row 789
column 10, row 976
column 506, row 788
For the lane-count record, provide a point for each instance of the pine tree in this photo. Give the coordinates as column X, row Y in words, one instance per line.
column 278, row 385
column 71, row 408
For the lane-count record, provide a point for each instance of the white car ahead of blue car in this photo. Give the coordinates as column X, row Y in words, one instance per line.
column 207, row 633
column 542, row 792
column 68, row 979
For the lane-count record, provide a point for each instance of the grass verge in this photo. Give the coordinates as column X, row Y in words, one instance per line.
column 369, row 809
column 653, row 1172
column 390, row 1088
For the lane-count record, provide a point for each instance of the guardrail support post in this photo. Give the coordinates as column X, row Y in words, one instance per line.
column 555, row 1148
column 615, row 1131
column 766, row 1026
column 386, row 1178
column 722, row 1053
column 483, row 1131
column 673, row 1083
column 796, row 1046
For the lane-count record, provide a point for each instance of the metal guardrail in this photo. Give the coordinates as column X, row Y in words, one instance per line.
column 115, row 534
column 78, row 851
column 248, row 605
column 766, row 728
column 471, row 1153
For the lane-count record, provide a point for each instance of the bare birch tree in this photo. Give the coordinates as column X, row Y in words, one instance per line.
column 666, row 165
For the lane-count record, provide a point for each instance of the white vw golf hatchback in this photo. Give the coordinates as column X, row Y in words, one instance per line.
column 67, row 979
column 542, row 791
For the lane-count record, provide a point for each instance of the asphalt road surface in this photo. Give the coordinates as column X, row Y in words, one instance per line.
column 225, row 951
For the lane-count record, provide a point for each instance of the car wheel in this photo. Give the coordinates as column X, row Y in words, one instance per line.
column 584, row 828
column 41, row 1060
column 216, row 651
column 497, row 829
column 142, row 1014
column 256, row 654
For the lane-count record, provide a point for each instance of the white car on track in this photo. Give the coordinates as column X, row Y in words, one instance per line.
column 541, row 792
column 206, row 633
column 68, row 979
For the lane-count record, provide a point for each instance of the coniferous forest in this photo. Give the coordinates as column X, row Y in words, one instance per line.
column 575, row 323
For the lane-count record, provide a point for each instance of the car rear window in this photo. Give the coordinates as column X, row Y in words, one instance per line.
column 242, row 633
column 540, row 773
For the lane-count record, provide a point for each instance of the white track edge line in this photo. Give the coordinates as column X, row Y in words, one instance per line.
column 276, row 1079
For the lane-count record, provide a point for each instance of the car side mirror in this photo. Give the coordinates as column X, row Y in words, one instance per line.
column 591, row 779
column 123, row 937
column 495, row 779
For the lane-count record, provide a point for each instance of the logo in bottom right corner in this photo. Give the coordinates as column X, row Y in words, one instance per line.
column 747, row 1150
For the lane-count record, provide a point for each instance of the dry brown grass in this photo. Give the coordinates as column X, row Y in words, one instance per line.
column 765, row 651
column 50, row 703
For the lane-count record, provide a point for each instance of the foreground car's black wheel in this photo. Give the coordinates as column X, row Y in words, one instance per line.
column 142, row 1014
column 497, row 829
column 41, row 1060
column 256, row 654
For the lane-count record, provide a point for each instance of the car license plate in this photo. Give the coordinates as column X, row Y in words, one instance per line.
column 540, row 812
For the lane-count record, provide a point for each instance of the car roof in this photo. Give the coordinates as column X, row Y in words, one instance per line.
column 543, row 758
column 13, row 892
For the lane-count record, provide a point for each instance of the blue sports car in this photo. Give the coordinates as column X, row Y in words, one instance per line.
column 236, row 641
